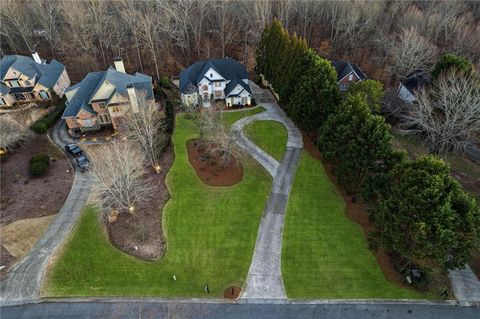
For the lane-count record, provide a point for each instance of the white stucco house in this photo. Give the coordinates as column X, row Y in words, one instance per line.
column 215, row 79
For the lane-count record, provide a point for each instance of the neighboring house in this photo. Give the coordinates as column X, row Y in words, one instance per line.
column 103, row 98
column 26, row 78
column 215, row 79
column 347, row 74
column 414, row 82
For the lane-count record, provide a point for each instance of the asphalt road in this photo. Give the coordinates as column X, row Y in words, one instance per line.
column 178, row 309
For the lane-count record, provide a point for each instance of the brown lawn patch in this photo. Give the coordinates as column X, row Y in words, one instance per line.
column 232, row 292
column 26, row 197
column 209, row 167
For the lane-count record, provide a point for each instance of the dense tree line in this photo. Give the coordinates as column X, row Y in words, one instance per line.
column 419, row 211
column 165, row 35
column 305, row 82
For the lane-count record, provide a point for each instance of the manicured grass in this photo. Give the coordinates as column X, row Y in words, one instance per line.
column 325, row 255
column 270, row 136
column 210, row 234
column 230, row 117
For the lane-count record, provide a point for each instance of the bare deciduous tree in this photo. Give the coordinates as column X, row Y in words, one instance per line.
column 447, row 117
column 223, row 144
column 12, row 133
column 147, row 129
column 120, row 177
column 411, row 51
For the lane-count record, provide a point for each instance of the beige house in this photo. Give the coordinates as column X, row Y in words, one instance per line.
column 103, row 98
column 26, row 78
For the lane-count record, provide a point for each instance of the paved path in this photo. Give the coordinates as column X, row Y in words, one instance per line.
column 25, row 279
column 465, row 285
column 175, row 308
column 264, row 279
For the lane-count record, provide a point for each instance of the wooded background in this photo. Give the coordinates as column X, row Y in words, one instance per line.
column 387, row 39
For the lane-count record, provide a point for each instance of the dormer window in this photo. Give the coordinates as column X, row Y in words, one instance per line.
column 350, row 77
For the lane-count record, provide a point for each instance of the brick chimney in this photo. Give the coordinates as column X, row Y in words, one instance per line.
column 118, row 62
column 36, row 57
column 132, row 95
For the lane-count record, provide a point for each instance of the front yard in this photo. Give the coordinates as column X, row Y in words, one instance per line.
column 325, row 255
column 210, row 234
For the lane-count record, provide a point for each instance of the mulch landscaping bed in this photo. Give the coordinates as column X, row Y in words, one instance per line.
column 211, row 170
column 357, row 213
column 232, row 292
column 24, row 196
column 140, row 234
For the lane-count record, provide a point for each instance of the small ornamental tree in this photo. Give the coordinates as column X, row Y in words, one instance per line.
column 451, row 61
column 426, row 215
column 373, row 91
column 354, row 141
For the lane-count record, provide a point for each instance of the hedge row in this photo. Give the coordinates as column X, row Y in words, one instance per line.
column 41, row 126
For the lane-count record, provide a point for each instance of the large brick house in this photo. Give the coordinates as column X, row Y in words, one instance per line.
column 347, row 74
column 25, row 78
column 103, row 98
column 215, row 79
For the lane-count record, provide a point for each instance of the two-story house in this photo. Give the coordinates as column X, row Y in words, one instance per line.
column 103, row 98
column 26, row 78
column 215, row 79
column 347, row 74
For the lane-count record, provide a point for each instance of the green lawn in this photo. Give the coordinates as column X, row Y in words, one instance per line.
column 324, row 255
column 210, row 233
column 261, row 134
column 230, row 117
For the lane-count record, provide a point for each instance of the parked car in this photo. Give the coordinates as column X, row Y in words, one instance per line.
column 82, row 162
column 74, row 150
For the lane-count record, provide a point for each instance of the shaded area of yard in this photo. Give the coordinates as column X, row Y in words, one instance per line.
column 275, row 145
column 210, row 233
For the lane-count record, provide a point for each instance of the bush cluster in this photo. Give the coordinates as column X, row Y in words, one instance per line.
column 41, row 126
column 39, row 164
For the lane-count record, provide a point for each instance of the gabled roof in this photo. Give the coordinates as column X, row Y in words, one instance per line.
column 344, row 68
column 228, row 68
column 233, row 84
column 90, row 85
column 47, row 73
column 416, row 80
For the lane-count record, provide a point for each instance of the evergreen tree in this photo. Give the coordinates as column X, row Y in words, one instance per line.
column 451, row 61
column 373, row 91
column 426, row 215
column 355, row 141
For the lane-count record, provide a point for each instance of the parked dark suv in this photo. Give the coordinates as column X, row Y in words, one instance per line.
column 82, row 162
column 74, row 150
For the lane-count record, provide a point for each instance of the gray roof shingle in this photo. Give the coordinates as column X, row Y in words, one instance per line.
column 229, row 68
column 46, row 73
column 90, row 85
column 344, row 68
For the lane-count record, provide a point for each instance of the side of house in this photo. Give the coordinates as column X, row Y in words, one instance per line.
column 347, row 74
column 103, row 98
column 31, row 78
column 412, row 83
column 215, row 79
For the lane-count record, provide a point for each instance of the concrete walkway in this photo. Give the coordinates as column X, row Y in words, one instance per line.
column 25, row 279
column 465, row 285
column 264, row 279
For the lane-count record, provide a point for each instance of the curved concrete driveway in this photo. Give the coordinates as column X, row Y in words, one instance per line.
column 25, row 279
column 264, row 279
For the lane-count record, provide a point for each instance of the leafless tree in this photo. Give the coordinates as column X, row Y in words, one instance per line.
column 128, row 11
column 411, row 51
column 447, row 117
column 12, row 133
column 120, row 177
column 225, row 22
column 150, row 22
column 147, row 129
column 16, row 17
column 223, row 143
column 47, row 14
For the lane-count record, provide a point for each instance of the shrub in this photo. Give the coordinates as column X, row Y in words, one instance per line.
column 41, row 126
column 40, row 158
column 170, row 116
column 39, row 164
column 165, row 82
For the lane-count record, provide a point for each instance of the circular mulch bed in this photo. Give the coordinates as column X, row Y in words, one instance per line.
column 210, row 169
column 232, row 292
